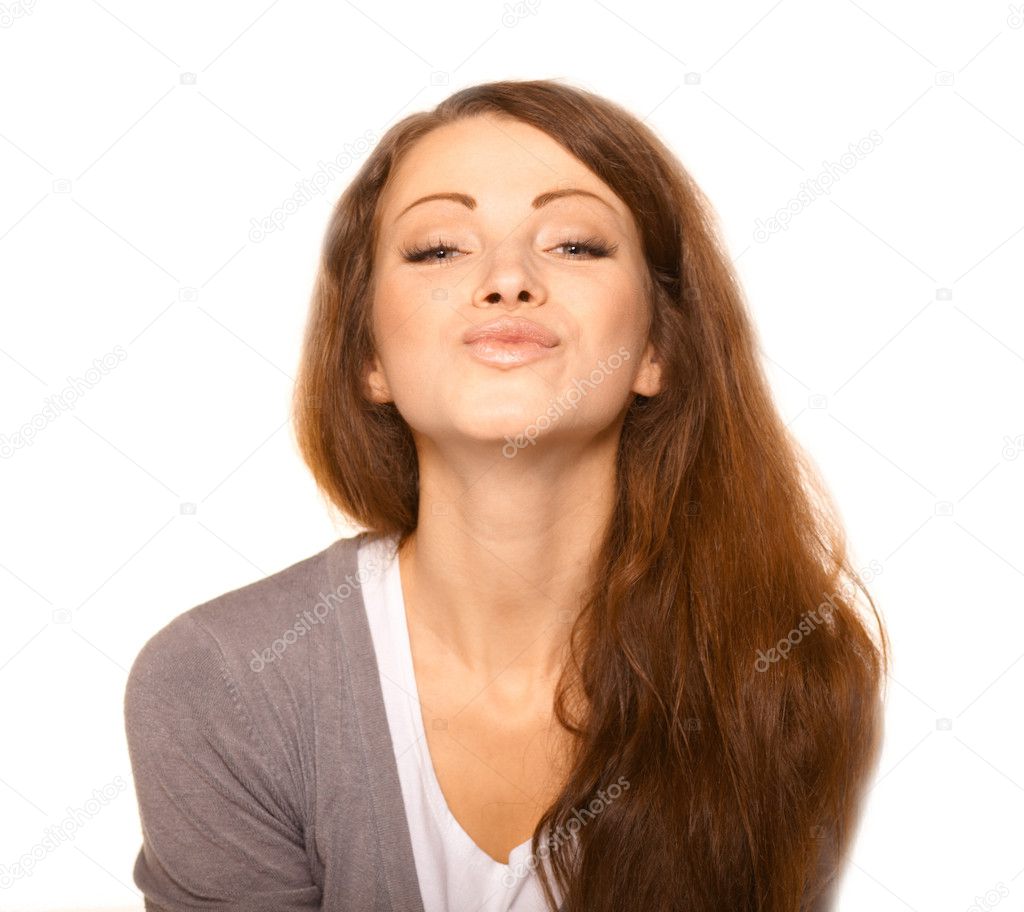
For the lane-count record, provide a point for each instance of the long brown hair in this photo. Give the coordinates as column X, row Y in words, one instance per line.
column 733, row 688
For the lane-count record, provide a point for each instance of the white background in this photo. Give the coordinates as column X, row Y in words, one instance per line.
column 889, row 313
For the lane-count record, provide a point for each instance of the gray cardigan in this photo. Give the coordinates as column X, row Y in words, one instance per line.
column 259, row 743
column 261, row 752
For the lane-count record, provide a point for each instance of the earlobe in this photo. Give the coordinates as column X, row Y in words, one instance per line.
column 648, row 380
column 375, row 385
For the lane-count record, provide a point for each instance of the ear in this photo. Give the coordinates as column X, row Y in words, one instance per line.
column 648, row 378
column 375, row 383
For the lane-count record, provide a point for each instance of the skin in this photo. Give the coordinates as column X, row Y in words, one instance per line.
column 494, row 573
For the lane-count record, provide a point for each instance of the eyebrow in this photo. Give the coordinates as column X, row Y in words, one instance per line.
column 466, row 200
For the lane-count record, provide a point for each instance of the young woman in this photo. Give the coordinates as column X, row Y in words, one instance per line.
column 598, row 646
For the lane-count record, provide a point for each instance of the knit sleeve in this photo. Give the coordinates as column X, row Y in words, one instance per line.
column 218, row 832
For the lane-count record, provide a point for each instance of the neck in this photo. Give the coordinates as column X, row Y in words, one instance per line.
column 500, row 560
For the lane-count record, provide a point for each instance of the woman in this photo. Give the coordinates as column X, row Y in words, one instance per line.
column 598, row 647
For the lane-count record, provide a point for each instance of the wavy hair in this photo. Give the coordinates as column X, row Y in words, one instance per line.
column 722, row 652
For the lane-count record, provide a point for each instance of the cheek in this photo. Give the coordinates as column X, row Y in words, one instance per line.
column 399, row 317
column 391, row 304
column 612, row 330
column 408, row 335
column 613, row 317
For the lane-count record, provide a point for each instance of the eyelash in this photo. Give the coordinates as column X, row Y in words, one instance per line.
column 592, row 245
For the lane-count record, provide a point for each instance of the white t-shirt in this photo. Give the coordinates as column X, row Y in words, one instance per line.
column 455, row 874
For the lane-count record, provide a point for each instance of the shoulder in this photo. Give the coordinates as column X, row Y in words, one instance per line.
column 233, row 679
column 250, row 662
column 223, row 748
column 253, row 626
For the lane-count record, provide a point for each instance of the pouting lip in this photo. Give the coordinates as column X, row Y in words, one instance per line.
column 512, row 329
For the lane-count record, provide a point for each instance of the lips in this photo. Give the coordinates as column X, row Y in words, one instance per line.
column 512, row 330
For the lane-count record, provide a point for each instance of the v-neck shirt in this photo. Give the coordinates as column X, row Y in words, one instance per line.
column 455, row 874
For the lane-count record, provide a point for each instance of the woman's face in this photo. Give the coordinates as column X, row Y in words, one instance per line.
column 443, row 268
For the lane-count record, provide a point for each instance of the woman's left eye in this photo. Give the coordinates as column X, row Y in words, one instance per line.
column 593, row 247
column 581, row 249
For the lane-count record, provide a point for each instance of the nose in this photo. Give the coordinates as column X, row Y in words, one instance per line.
column 508, row 280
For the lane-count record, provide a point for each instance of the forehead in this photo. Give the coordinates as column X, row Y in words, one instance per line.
column 499, row 161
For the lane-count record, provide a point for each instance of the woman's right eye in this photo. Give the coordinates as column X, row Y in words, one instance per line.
column 439, row 252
